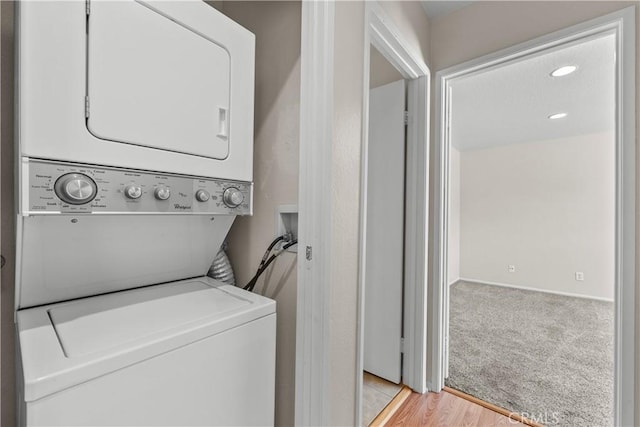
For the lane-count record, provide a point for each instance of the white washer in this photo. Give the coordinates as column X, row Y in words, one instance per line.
column 116, row 322
column 193, row 352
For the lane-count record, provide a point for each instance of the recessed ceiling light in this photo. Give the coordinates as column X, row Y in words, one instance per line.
column 563, row 71
column 557, row 116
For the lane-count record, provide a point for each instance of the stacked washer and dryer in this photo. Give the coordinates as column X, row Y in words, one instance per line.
column 135, row 154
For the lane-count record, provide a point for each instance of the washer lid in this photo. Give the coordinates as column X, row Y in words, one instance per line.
column 154, row 81
column 94, row 325
column 65, row 344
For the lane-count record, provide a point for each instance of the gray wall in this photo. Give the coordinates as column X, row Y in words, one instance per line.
column 7, row 216
column 276, row 25
column 381, row 70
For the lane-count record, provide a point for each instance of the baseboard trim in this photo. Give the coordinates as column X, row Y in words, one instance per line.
column 525, row 288
column 392, row 407
column 513, row 416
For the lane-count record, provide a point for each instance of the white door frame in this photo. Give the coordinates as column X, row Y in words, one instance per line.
column 314, row 202
column 314, row 214
column 381, row 32
column 622, row 23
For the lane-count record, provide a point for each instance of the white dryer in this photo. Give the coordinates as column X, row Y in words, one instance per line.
column 135, row 151
column 152, row 85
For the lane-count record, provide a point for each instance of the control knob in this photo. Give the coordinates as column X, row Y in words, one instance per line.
column 75, row 188
column 232, row 197
column 162, row 193
column 133, row 191
column 202, row 195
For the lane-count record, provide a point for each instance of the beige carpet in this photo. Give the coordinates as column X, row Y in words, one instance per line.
column 548, row 357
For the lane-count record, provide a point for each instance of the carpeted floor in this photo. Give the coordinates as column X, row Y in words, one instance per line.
column 548, row 357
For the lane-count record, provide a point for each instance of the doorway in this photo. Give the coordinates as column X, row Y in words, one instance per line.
column 621, row 274
column 381, row 33
column 384, row 271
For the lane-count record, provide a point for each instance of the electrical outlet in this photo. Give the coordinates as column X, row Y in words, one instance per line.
column 579, row 276
column 512, row 269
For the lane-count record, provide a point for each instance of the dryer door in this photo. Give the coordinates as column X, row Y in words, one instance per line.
column 153, row 81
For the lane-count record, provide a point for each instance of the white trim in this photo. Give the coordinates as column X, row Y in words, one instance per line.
column 527, row 288
column 381, row 32
column 623, row 24
column 314, row 202
column 416, row 234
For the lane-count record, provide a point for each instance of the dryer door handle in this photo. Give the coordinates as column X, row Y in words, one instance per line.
column 223, row 123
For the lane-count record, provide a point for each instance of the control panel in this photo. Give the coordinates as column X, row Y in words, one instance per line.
column 51, row 187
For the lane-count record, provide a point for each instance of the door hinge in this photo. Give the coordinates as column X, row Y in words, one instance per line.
column 86, row 107
column 309, row 253
column 401, row 345
column 406, row 118
column 88, row 6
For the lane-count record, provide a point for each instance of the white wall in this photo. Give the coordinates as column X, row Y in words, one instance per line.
column 545, row 207
column 382, row 72
column 453, row 239
column 277, row 26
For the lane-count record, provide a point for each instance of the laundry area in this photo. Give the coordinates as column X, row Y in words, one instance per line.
column 134, row 156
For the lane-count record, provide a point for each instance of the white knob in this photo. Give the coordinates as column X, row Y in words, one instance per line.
column 75, row 188
column 162, row 193
column 133, row 191
column 232, row 197
column 202, row 195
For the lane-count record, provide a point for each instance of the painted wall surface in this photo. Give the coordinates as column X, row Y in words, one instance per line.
column 410, row 19
column 453, row 240
column 381, row 71
column 345, row 186
column 7, row 217
column 548, row 208
column 488, row 26
column 412, row 23
column 276, row 26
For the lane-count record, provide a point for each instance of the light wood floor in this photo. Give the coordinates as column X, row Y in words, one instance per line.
column 376, row 394
column 446, row 410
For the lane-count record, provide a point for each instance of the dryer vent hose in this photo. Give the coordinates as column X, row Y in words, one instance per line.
column 221, row 268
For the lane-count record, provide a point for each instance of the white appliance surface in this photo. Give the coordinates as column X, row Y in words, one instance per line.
column 165, row 60
column 66, row 344
column 168, row 307
column 62, row 259
column 152, row 85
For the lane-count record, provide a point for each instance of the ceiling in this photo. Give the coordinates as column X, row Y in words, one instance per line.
column 511, row 103
column 436, row 9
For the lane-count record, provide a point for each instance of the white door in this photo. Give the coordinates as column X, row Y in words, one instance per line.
column 156, row 82
column 384, row 256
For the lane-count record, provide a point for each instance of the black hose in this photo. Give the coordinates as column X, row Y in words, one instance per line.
column 252, row 283
column 268, row 251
